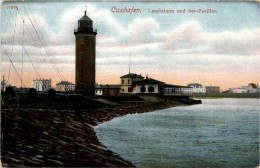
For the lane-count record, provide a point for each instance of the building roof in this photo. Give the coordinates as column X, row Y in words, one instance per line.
column 176, row 86
column 41, row 79
column 253, row 85
column 148, row 81
column 108, row 86
column 154, row 81
column 211, row 86
column 64, row 83
column 196, row 85
column 131, row 75
column 85, row 18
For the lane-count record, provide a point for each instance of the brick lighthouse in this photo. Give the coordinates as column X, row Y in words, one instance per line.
column 85, row 38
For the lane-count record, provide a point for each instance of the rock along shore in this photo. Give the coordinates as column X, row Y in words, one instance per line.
column 63, row 138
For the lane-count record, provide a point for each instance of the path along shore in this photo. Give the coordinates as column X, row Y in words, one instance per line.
column 63, row 138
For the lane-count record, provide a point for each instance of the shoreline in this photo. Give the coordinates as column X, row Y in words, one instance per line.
column 226, row 95
column 44, row 137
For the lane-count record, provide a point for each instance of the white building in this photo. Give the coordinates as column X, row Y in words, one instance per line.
column 65, row 86
column 98, row 90
column 243, row 89
column 197, row 88
column 42, row 84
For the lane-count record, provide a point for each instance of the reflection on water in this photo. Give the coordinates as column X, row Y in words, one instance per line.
column 219, row 132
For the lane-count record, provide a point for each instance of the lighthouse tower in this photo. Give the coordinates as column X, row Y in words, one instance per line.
column 85, row 38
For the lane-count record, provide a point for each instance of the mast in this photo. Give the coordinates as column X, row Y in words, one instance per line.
column 22, row 61
column 129, row 62
column 3, row 83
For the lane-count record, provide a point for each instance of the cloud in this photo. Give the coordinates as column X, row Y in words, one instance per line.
column 186, row 36
column 108, row 26
column 234, row 43
column 189, row 39
column 141, row 31
column 27, row 33
column 154, row 50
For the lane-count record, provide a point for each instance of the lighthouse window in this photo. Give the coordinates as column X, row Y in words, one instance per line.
column 81, row 39
column 81, row 55
column 81, row 71
column 81, row 86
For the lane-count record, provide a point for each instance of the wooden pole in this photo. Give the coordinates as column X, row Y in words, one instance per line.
column 17, row 101
column 3, row 83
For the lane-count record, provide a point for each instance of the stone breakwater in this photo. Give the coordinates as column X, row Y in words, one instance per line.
column 63, row 138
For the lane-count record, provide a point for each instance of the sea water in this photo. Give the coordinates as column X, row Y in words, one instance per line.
column 216, row 133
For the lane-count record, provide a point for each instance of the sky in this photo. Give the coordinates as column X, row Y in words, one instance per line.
column 213, row 49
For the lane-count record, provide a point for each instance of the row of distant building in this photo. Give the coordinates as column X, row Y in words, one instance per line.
column 43, row 85
column 133, row 84
column 251, row 88
column 130, row 84
column 199, row 88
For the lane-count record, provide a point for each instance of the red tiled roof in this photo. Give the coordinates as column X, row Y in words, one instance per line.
column 253, row 85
